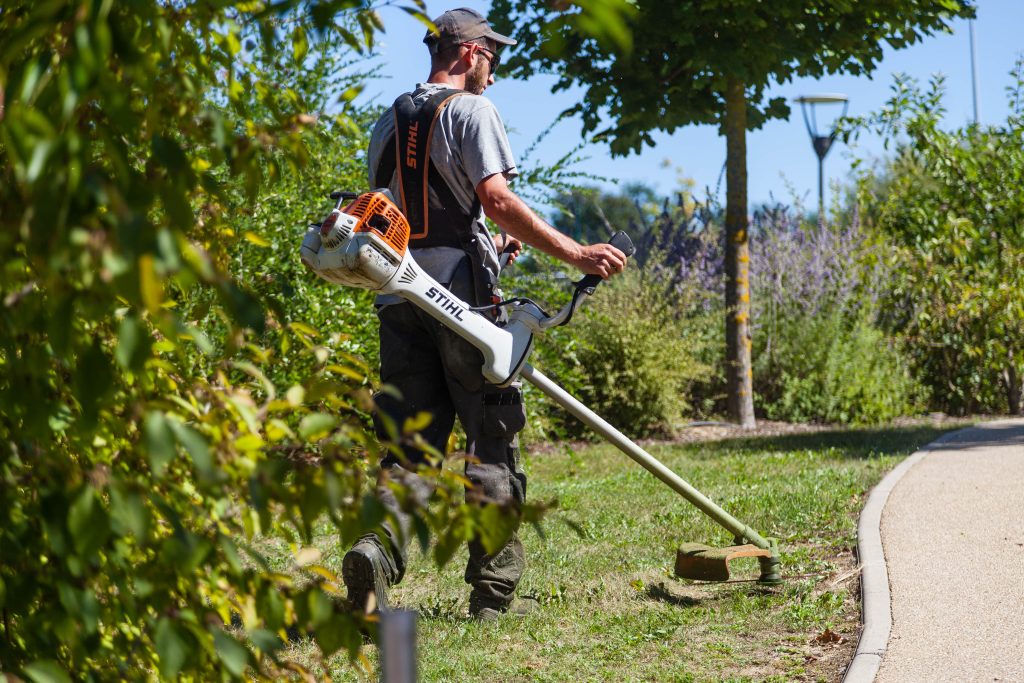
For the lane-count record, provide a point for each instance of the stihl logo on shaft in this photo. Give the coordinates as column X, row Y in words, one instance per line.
column 446, row 303
column 410, row 146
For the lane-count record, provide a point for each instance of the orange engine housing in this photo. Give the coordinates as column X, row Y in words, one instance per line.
column 378, row 214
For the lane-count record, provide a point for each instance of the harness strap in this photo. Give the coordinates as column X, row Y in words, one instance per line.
column 407, row 155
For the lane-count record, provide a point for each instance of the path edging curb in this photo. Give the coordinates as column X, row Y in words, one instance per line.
column 876, row 607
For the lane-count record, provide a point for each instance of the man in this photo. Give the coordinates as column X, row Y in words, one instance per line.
column 443, row 152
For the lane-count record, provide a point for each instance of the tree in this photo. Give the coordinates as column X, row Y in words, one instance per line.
column 711, row 62
column 949, row 204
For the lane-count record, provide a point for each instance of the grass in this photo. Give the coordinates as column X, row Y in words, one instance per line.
column 610, row 608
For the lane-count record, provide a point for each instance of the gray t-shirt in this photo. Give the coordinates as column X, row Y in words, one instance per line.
column 468, row 144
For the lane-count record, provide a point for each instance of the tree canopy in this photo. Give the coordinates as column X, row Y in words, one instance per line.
column 684, row 53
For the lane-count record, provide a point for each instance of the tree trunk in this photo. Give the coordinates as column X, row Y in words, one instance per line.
column 1014, row 388
column 739, row 369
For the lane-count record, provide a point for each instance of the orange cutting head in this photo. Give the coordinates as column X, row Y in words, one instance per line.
column 378, row 214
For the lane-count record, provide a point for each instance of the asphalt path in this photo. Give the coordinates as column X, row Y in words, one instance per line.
column 953, row 535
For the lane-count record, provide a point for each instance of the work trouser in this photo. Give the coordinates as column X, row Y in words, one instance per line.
column 438, row 372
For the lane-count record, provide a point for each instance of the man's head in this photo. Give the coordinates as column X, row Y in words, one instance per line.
column 464, row 44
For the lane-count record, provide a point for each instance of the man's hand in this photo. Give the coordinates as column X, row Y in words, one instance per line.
column 600, row 259
column 507, row 244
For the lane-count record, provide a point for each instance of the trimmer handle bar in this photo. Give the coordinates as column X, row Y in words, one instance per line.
column 620, row 241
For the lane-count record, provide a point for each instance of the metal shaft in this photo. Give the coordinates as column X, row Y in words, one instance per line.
column 974, row 71
column 643, row 458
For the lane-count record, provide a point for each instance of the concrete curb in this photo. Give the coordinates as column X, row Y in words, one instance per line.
column 874, row 579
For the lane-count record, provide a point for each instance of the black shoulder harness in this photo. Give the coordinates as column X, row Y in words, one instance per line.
column 408, row 153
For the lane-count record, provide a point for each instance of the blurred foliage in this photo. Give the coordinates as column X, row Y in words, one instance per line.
column 171, row 387
column 951, row 206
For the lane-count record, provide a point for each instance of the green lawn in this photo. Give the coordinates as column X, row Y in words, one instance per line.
column 610, row 608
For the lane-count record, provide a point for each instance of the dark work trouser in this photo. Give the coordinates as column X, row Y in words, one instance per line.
column 437, row 372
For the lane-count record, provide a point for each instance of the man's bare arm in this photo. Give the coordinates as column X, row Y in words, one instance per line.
column 512, row 214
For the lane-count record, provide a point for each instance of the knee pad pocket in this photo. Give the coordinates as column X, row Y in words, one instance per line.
column 504, row 413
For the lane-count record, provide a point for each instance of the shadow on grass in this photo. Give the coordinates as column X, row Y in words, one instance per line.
column 859, row 442
column 662, row 594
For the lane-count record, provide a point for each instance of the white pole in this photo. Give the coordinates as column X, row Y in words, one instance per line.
column 642, row 457
column 974, row 70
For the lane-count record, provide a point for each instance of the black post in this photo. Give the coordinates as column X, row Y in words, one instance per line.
column 821, row 190
column 822, row 144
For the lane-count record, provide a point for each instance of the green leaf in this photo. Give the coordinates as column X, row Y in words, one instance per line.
column 129, row 513
column 88, row 523
column 46, row 671
column 133, row 344
column 93, row 378
column 496, row 526
column 339, row 632
column 234, row 655
column 417, row 422
column 446, row 546
column 150, row 288
column 265, row 640
column 255, row 239
column 170, row 647
column 316, row 426
column 371, row 512
column 159, row 442
column 196, row 446
column 300, row 45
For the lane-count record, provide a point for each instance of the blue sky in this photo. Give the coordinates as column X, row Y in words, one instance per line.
column 781, row 162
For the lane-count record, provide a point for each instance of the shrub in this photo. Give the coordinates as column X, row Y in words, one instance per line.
column 825, row 368
column 950, row 204
column 163, row 397
column 631, row 355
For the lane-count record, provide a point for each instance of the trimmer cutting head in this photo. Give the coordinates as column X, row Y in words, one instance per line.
column 700, row 562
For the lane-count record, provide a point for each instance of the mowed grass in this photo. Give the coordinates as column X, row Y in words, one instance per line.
column 610, row 608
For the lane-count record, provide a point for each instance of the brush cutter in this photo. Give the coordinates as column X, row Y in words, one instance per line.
column 364, row 243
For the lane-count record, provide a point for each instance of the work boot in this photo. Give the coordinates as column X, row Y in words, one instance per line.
column 364, row 571
column 483, row 611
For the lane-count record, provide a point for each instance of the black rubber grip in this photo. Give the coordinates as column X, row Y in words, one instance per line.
column 347, row 196
column 505, row 255
column 620, row 241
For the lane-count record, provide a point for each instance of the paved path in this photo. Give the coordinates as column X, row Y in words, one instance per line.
column 953, row 534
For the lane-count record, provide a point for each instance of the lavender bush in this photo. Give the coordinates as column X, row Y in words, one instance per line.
column 818, row 354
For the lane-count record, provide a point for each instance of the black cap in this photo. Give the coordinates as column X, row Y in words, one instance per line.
column 461, row 26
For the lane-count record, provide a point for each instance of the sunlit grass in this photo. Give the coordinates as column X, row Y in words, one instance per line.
column 610, row 608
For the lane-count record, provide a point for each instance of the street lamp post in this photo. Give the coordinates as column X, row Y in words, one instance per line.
column 821, row 143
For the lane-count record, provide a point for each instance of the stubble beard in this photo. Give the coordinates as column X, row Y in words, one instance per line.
column 476, row 80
